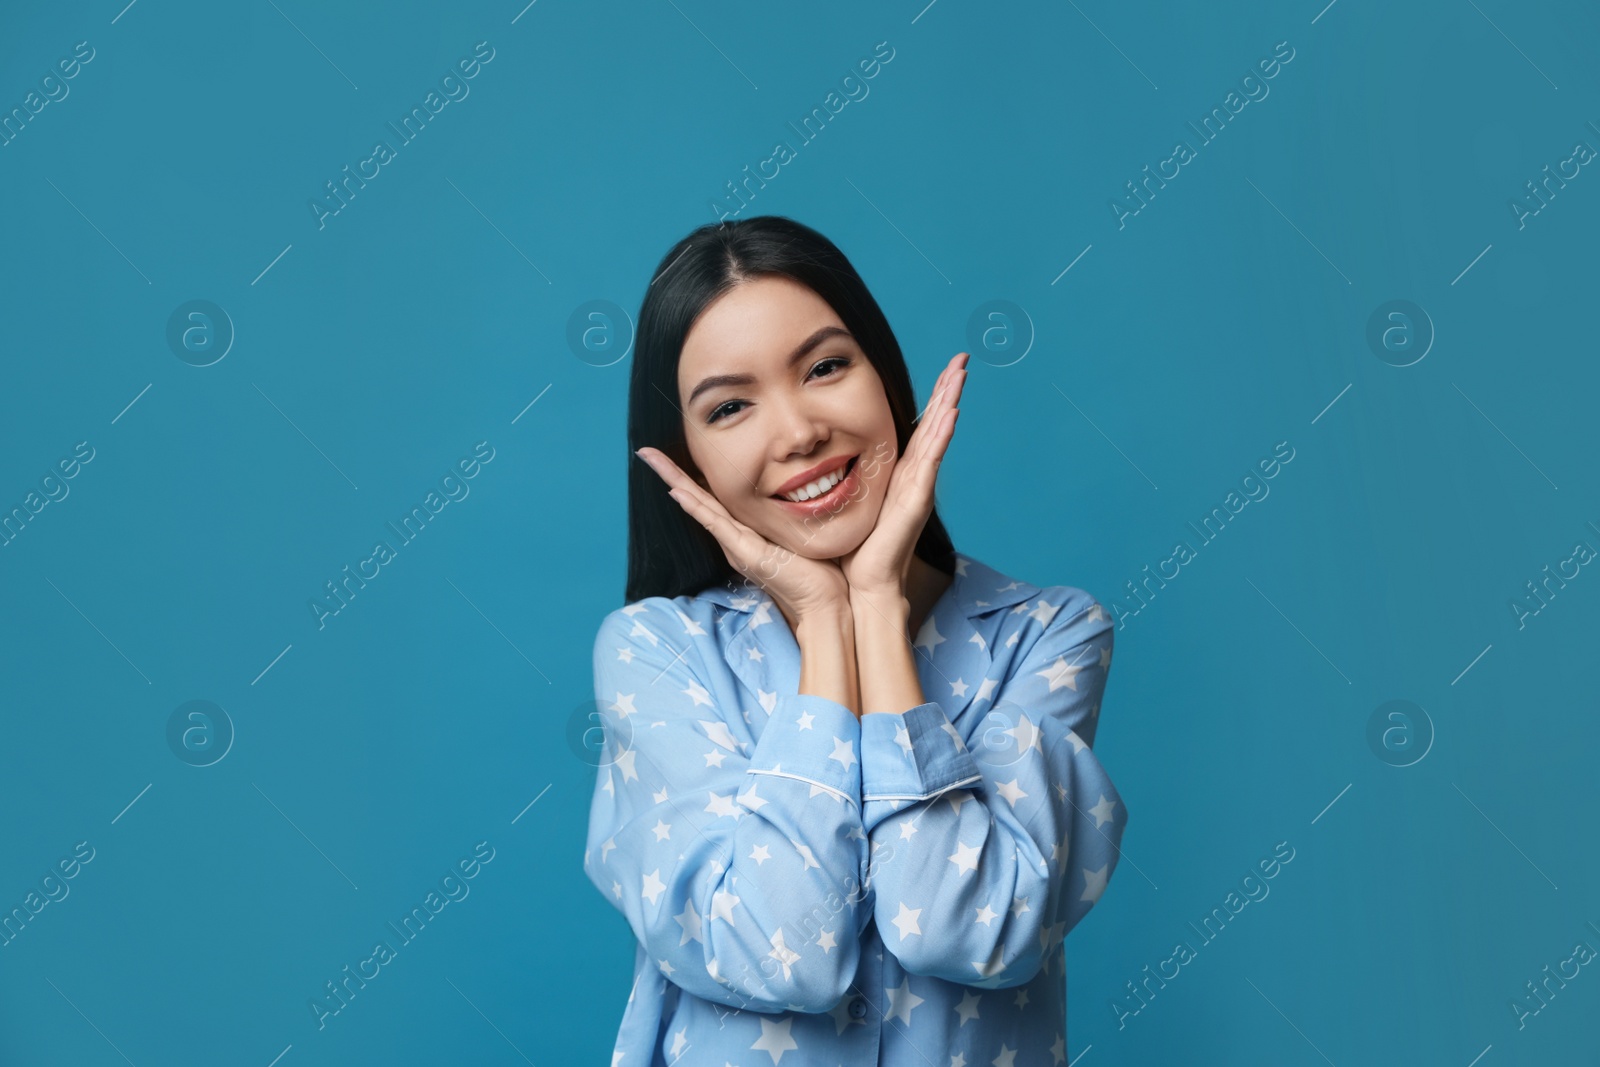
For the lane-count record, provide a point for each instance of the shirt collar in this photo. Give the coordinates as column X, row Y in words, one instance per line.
column 978, row 590
column 768, row 660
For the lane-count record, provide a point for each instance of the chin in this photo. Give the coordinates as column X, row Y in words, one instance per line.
column 825, row 542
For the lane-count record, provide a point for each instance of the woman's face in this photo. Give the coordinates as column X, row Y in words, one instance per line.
column 803, row 395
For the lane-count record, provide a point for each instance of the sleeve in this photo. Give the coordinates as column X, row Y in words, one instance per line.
column 1008, row 835
column 737, row 864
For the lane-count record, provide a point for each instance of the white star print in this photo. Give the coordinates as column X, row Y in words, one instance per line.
column 908, row 828
column 653, row 886
column 775, row 1037
column 640, row 631
column 719, row 733
column 749, row 799
column 965, row 857
column 805, row 720
column 722, row 805
column 760, row 855
column 805, row 854
column 624, row 705
column 625, row 655
column 697, row 693
column 986, row 916
column 634, row 608
column 1102, row 811
column 1027, row 735
column 1011, row 791
column 1061, row 673
column 661, row 830
column 1094, row 883
column 958, row 687
column 1019, row 906
column 1022, row 998
column 843, row 752
column 1007, row 1057
column 722, row 903
column 606, row 846
column 1044, row 612
column 661, row 797
column 689, row 919
column 715, row 758
column 783, row 953
column 902, row 737
column 968, row 1008
column 928, row 637
column 901, row 1001
column 690, row 627
column 679, row 1039
column 992, row 966
column 985, row 690
column 906, row 921
column 1058, row 1051
column 826, row 941
column 625, row 764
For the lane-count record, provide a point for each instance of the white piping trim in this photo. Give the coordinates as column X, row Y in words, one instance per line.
column 922, row 796
column 809, row 781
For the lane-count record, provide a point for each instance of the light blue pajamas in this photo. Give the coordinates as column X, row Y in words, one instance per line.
column 819, row 889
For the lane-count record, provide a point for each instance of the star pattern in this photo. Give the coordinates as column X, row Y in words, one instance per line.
column 986, row 806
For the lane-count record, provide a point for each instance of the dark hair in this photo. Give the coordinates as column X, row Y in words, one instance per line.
column 669, row 553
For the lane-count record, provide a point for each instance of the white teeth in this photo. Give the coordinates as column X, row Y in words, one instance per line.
column 816, row 488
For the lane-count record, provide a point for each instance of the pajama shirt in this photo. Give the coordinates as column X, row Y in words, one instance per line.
column 809, row 888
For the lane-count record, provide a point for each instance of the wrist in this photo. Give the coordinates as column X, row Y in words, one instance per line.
column 886, row 601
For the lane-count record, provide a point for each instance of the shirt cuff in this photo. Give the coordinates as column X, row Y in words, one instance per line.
column 913, row 755
column 813, row 739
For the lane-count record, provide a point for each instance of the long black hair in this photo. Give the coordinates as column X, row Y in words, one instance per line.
column 669, row 553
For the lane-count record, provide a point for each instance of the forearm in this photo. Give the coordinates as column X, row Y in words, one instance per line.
column 886, row 667
column 828, row 658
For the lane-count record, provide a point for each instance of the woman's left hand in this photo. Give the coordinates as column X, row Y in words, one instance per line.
column 878, row 567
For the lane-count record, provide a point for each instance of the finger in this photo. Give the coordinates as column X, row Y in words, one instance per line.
column 946, row 395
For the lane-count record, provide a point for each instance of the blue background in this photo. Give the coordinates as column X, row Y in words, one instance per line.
column 433, row 712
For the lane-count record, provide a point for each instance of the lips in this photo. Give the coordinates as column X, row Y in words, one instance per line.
column 807, row 477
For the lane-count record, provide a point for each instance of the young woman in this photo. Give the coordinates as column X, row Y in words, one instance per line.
column 849, row 805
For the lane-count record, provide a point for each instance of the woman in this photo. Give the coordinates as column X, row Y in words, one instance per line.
column 834, row 844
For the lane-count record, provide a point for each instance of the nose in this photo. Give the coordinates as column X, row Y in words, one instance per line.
column 799, row 431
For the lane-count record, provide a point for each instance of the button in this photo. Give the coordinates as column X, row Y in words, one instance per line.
column 858, row 1008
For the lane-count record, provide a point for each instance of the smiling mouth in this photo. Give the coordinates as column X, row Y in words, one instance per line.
column 839, row 476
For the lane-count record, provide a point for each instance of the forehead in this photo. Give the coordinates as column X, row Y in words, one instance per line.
column 751, row 327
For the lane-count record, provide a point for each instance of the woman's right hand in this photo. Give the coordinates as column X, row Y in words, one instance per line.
column 803, row 587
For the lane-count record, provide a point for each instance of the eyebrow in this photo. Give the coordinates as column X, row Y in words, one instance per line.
column 796, row 356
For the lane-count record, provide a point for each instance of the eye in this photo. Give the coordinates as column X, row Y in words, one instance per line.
column 732, row 407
